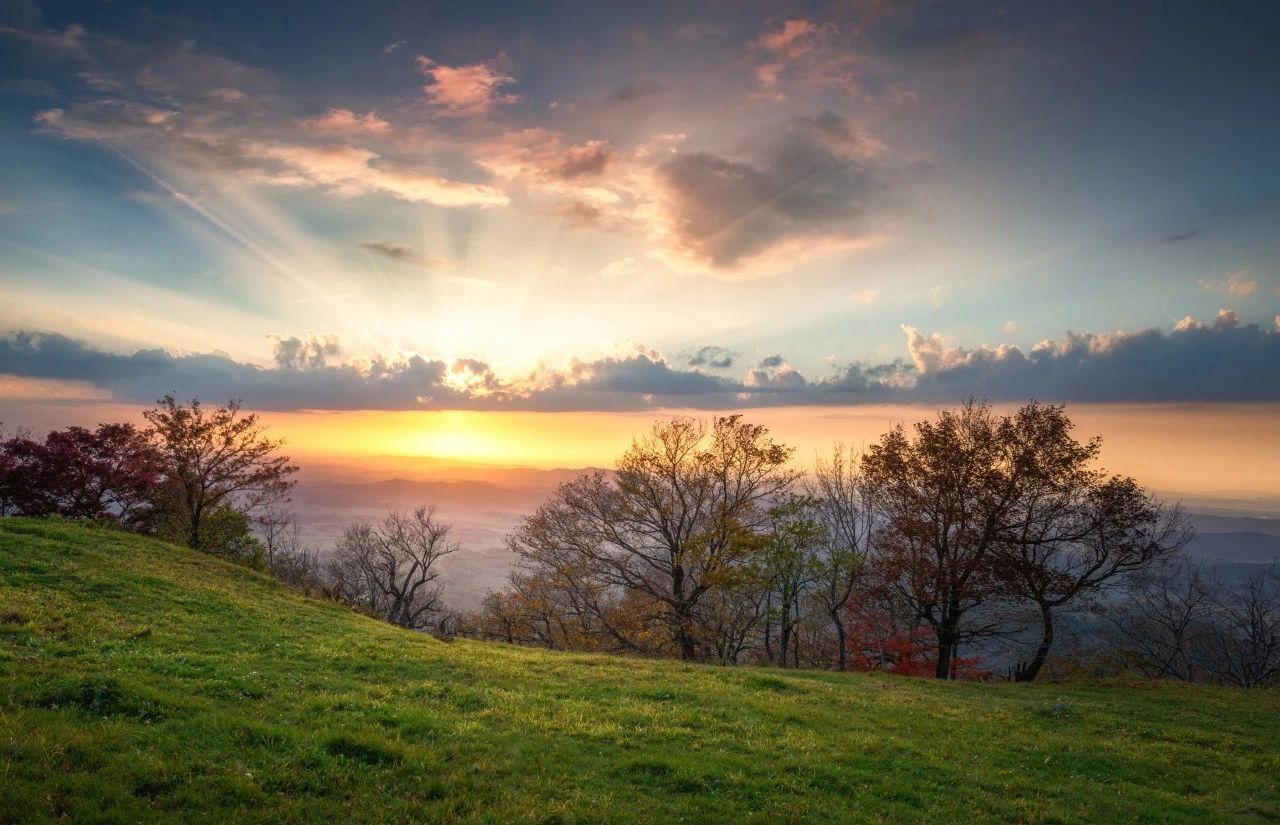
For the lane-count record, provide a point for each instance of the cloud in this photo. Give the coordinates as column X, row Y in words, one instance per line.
column 774, row 374
column 1222, row 360
column 638, row 372
column 396, row 252
column 343, row 169
column 816, row 180
column 345, row 121
column 805, row 54
column 792, row 40
column 191, row 116
column 865, row 296
column 1179, row 237
column 311, row 353
column 714, row 357
column 70, row 41
column 1214, row 361
column 544, row 160
column 17, row 388
column 1237, row 285
column 464, row 91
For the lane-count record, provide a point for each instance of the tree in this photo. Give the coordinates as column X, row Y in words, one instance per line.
column 946, row 496
column 103, row 474
column 789, row 557
column 391, row 569
column 228, row 532
column 279, row 532
column 213, row 458
column 669, row 525
column 1242, row 645
column 1163, row 620
column 845, row 508
column 1071, row 529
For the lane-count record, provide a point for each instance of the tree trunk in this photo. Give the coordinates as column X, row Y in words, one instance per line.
column 684, row 634
column 193, row 534
column 842, row 656
column 1026, row 672
column 948, row 638
column 784, row 641
column 687, row 650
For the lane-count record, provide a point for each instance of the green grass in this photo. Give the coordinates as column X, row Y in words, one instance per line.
column 141, row 681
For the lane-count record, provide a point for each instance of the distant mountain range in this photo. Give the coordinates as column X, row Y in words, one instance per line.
column 1245, row 547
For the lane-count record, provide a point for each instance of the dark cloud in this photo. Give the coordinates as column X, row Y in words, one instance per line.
column 394, row 251
column 146, row 374
column 311, row 353
column 1179, row 237
column 643, row 372
column 1224, row 360
column 715, row 357
column 815, row 178
column 1218, row 361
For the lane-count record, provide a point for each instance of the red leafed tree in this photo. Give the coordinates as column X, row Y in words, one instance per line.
column 107, row 473
column 879, row 640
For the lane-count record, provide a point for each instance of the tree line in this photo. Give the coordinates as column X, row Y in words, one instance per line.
column 212, row 479
column 941, row 550
column 976, row 534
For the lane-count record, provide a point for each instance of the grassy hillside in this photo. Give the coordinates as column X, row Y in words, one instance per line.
column 140, row 681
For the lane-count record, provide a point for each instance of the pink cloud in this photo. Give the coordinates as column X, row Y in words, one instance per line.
column 792, row 40
column 808, row 54
column 345, row 121
column 465, row 91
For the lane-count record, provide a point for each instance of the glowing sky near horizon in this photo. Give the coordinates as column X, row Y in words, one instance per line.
column 515, row 233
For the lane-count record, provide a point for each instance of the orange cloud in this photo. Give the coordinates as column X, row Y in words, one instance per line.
column 1237, row 285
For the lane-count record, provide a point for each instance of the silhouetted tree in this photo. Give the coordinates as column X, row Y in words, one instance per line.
column 1072, row 529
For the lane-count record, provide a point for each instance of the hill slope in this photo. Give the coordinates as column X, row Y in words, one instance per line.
column 140, row 681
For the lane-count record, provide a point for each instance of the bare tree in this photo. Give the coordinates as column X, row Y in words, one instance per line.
column 1163, row 617
column 215, row 457
column 391, row 569
column 1242, row 646
column 846, row 510
column 279, row 532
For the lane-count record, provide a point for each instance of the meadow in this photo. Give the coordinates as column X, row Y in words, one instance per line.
column 144, row 681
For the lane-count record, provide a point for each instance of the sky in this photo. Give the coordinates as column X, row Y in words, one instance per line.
column 511, row 231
